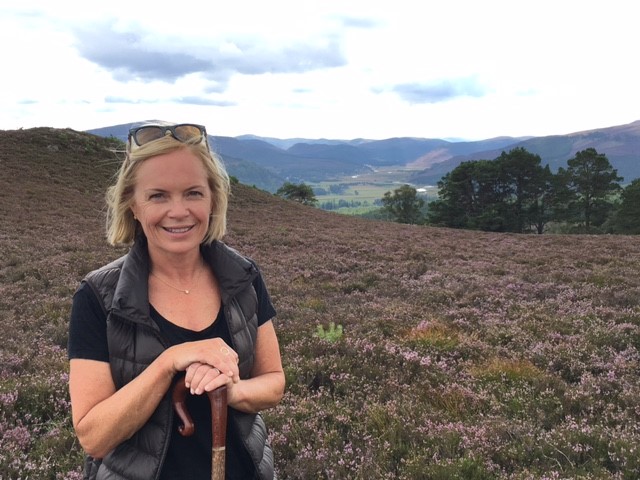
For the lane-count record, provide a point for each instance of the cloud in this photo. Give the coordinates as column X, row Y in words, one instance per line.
column 360, row 22
column 137, row 101
column 255, row 59
column 130, row 55
column 441, row 91
column 188, row 100
column 193, row 100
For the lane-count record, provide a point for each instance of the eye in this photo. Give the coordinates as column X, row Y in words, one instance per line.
column 195, row 194
column 156, row 196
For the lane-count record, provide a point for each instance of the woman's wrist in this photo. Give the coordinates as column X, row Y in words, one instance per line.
column 236, row 394
column 167, row 363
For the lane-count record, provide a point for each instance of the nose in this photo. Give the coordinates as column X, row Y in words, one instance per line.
column 179, row 209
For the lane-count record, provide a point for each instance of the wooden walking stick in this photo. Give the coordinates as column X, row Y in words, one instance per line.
column 218, row 401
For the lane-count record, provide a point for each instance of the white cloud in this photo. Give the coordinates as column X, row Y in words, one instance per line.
column 337, row 69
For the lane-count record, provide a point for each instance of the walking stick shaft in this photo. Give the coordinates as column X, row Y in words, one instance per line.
column 218, row 402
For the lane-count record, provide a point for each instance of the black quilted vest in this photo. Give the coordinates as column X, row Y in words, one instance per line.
column 135, row 341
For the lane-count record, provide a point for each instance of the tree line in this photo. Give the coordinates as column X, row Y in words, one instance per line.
column 515, row 193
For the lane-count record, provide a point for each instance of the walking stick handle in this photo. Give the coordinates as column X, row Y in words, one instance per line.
column 218, row 402
column 179, row 398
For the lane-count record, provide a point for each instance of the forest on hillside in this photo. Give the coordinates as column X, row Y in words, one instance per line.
column 515, row 193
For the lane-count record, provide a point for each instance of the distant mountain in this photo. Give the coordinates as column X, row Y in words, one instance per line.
column 268, row 162
column 117, row 131
column 620, row 144
column 292, row 165
column 285, row 143
column 250, row 173
column 419, row 152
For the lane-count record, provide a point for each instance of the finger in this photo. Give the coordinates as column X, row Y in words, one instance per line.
column 231, row 360
column 235, row 378
column 226, row 351
column 191, row 370
column 229, row 368
column 207, row 379
column 199, row 372
column 217, row 382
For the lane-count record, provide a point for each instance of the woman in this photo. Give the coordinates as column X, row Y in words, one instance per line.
column 179, row 301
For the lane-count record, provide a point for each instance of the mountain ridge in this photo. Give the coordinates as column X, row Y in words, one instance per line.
column 621, row 145
column 251, row 158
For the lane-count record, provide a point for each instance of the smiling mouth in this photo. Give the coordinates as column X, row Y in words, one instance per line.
column 177, row 229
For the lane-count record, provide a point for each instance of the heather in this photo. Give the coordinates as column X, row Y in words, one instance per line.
column 410, row 352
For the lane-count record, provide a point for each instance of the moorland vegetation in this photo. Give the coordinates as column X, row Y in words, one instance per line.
column 411, row 352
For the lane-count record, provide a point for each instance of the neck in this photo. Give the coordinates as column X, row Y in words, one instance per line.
column 183, row 283
column 176, row 266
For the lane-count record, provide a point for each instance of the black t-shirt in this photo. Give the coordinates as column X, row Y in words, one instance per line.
column 187, row 457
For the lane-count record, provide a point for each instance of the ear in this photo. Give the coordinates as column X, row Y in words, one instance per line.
column 133, row 211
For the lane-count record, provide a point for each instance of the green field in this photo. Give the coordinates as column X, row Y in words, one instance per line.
column 358, row 194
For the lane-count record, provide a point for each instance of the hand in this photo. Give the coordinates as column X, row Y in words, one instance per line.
column 201, row 378
column 213, row 353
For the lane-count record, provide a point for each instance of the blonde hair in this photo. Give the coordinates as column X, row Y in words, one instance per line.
column 122, row 227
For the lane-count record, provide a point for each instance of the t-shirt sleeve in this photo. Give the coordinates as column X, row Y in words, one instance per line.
column 87, row 327
column 266, row 310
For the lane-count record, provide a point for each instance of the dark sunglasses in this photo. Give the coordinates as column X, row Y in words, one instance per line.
column 183, row 132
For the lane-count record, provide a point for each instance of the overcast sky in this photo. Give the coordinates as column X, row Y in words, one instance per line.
column 343, row 69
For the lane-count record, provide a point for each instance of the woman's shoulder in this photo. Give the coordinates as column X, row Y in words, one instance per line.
column 108, row 270
column 103, row 280
column 229, row 265
column 221, row 249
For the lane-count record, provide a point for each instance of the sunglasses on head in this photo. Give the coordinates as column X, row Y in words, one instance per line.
column 183, row 132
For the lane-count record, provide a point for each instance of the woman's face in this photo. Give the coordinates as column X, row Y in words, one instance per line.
column 172, row 202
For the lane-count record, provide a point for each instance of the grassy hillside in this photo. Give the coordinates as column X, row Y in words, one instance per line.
column 462, row 354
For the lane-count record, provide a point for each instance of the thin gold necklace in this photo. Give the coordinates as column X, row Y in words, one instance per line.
column 183, row 290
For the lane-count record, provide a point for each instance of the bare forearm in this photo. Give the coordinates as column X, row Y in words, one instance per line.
column 104, row 418
column 119, row 416
column 259, row 393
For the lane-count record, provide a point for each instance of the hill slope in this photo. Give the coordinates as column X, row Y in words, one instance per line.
column 463, row 353
column 621, row 145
